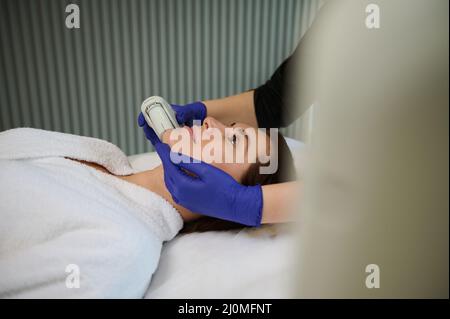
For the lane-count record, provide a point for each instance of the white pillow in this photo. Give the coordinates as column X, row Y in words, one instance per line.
column 229, row 264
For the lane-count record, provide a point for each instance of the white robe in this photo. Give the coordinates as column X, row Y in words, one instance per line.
column 59, row 215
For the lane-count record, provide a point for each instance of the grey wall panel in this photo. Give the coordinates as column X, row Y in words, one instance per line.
column 91, row 81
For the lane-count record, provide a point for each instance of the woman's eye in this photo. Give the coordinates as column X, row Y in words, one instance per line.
column 233, row 139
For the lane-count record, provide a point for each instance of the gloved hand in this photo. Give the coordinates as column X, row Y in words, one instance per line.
column 212, row 192
column 185, row 114
column 149, row 132
column 161, row 148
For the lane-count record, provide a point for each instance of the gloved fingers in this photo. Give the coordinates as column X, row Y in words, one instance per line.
column 163, row 151
column 175, row 199
column 171, row 171
column 172, row 188
column 167, row 156
column 202, row 111
column 202, row 170
column 180, row 115
column 141, row 120
column 176, row 108
column 181, row 185
column 187, row 166
column 180, row 167
column 182, row 119
column 149, row 132
column 178, row 171
column 174, row 177
column 151, row 135
column 186, row 114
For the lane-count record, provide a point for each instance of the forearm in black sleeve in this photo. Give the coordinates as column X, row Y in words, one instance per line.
column 274, row 103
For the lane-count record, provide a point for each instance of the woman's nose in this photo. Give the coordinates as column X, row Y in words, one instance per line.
column 210, row 122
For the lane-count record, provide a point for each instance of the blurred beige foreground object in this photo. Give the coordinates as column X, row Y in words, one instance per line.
column 376, row 188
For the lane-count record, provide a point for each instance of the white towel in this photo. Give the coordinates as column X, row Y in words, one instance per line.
column 56, row 213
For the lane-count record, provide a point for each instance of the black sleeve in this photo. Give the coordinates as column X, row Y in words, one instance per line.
column 274, row 105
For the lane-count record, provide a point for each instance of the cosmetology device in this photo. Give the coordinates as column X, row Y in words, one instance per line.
column 159, row 115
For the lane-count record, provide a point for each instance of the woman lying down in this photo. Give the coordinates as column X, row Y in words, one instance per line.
column 78, row 221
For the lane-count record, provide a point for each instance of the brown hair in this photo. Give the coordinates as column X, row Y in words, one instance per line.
column 284, row 173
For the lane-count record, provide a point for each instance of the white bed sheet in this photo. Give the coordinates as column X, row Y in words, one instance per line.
column 252, row 263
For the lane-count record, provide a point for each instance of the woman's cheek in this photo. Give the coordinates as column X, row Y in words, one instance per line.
column 178, row 141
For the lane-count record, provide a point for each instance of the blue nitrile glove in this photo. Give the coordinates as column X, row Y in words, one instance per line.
column 149, row 132
column 213, row 192
column 185, row 114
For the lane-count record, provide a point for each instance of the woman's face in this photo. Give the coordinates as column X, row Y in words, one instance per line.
column 231, row 148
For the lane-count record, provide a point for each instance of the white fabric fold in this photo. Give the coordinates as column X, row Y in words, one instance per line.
column 56, row 213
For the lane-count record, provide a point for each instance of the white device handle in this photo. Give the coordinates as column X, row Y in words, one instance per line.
column 159, row 115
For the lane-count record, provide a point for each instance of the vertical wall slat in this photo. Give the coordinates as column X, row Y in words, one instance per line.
column 92, row 80
column 26, row 43
column 81, row 79
column 18, row 65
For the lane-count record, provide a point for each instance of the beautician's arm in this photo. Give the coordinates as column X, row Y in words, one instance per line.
column 279, row 201
column 236, row 108
column 272, row 104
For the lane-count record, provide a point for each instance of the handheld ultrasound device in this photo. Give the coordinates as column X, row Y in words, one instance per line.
column 159, row 115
